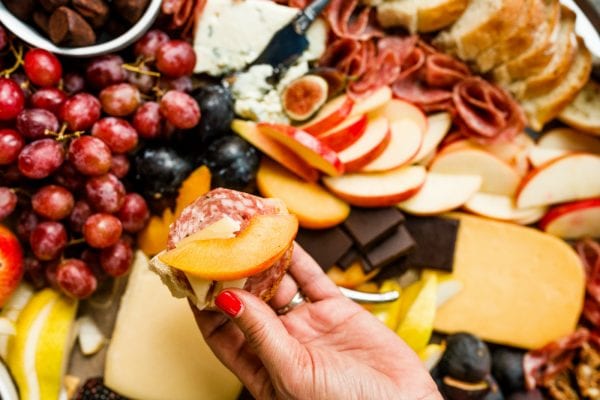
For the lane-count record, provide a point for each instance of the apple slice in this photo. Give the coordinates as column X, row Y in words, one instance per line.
column 346, row 133
column 314, row 206
column 405, row 141
column 397, row 109
column 539, row 156
column 571, row 177
column 514, row 152
column 441, row 193
column 378, row 189
column 438, row 126
column 502, row 208
column 256, row 248
column 372, row 101
column 570, row 140
column 498, row 177
column 368, row 147
column 306, row 146
column 574, row 220
column 331, row 114
column 278, row 152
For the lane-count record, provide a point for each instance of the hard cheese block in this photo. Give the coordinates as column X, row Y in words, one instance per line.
column 522, row 287
column 157, row 352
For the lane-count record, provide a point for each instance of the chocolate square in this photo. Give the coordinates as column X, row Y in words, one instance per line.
column 390, row 249
column 348, row 258
column 436, row 240
column 369, row 225
column 394, row 270
column 325, row 246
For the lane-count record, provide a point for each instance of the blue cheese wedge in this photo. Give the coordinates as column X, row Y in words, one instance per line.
column 232, row 33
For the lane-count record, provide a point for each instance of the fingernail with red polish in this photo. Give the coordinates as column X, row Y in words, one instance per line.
column 229, row 303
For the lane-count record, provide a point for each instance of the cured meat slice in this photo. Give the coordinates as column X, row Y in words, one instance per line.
column 349, row 21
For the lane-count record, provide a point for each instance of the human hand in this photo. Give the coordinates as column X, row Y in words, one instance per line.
column 328, row 348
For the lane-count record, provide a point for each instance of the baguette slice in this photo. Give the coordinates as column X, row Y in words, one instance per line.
column 538, row 55
column 584, row 111
column 482, row 24
column 541, row 109
column 552, row 75
column 420, row 15
column 517, row 41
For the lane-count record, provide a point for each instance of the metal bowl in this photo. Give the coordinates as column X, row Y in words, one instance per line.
column 32, row 36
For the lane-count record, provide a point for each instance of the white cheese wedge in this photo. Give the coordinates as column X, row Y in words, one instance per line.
column 232, row 33
column 224, row 228
column 157, row 352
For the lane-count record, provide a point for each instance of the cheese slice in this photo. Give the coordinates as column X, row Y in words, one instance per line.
column 157, row 351
column 521, row 287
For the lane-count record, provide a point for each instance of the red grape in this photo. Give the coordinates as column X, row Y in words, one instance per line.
column 27, row 221
column 120, row 100
column 119, row 166
column 21, row 79
column 90, row 155
column 117, row 133
column 34, row 272
column 53, row 202
column 91, row 257
column 42, row 67
column 147, row 120
column 75, row 278
column 33, row 123
column 149, row 44
column 116, row 259
column 11, row 144
column 73, row 83
column 176, row 58
column 183, row 83
column 105, row 70
column 144, row 82
column 133, row 213
column 180, row 109
column 80, row 213
column 105, row 193
column 102, row 230
column 50, row 99
column 41, row 158
column 8, row 202
column 50, row 270
column 12, row 99
column 68, row 176
column 48, row 239
column 81, row 111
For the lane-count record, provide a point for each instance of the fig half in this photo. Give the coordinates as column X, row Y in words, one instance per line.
column 304, row 96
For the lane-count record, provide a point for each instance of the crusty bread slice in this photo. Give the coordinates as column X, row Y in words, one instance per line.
column 583, row 112
column 551, row 76
column 420, row 15
column 483, row 23
column 538, row 55
column 517, row 41
column 541, row 109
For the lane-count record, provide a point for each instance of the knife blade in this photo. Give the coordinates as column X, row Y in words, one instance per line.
column 288, row 43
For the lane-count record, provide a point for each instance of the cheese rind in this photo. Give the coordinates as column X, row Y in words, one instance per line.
column 522, row 287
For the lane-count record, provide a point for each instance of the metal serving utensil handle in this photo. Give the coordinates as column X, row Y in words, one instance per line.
column 307, row 16
column 370, row 298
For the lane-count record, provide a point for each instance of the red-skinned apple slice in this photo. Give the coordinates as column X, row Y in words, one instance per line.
column 438, row 126
column 278, row 152
column 405, row 141
column 378, row 189
column 498, row 176
column 333, row 113
column 370, row 145
column 570, row 140
column 372, row 101
column 11, row 263
column 441, row 193
column 539, row 156
column 571, row 177
column 397, row 109
column 306, row 146
column 346, row 133
column 573, row 220
column 502, row 208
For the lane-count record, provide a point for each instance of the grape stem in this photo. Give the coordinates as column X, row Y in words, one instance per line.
column 18, row 54
column 74, row 242
column 138, row 69
column 61, row 134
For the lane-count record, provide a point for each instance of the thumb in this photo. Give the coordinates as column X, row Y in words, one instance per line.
column 263, row 330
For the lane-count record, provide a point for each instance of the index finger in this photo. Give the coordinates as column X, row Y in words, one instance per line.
column 310, row 277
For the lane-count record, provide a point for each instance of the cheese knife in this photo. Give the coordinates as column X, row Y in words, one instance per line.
column 288, row 43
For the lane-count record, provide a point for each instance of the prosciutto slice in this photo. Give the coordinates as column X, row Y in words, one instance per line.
column 349, row 21
column 183, row 14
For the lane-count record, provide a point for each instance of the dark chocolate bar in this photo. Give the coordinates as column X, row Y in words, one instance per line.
column 348, row 258
column 389, row 250
column 369, row 226
column 436, row 240
column 325, row 246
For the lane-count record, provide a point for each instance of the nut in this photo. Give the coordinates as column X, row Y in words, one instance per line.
column 66, row 27
column 94, row 11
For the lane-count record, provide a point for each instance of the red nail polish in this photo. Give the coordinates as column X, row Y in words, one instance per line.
column 229, row 303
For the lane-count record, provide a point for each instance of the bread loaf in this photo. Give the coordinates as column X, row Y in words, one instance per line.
column 583, row 112
column 420, row 15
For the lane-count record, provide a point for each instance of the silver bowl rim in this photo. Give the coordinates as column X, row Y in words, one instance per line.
column 30, row 35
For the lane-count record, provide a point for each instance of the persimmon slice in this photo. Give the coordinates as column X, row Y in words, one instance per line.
column 255, row 249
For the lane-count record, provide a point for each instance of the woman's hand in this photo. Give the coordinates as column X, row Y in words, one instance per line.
column 328, row 348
